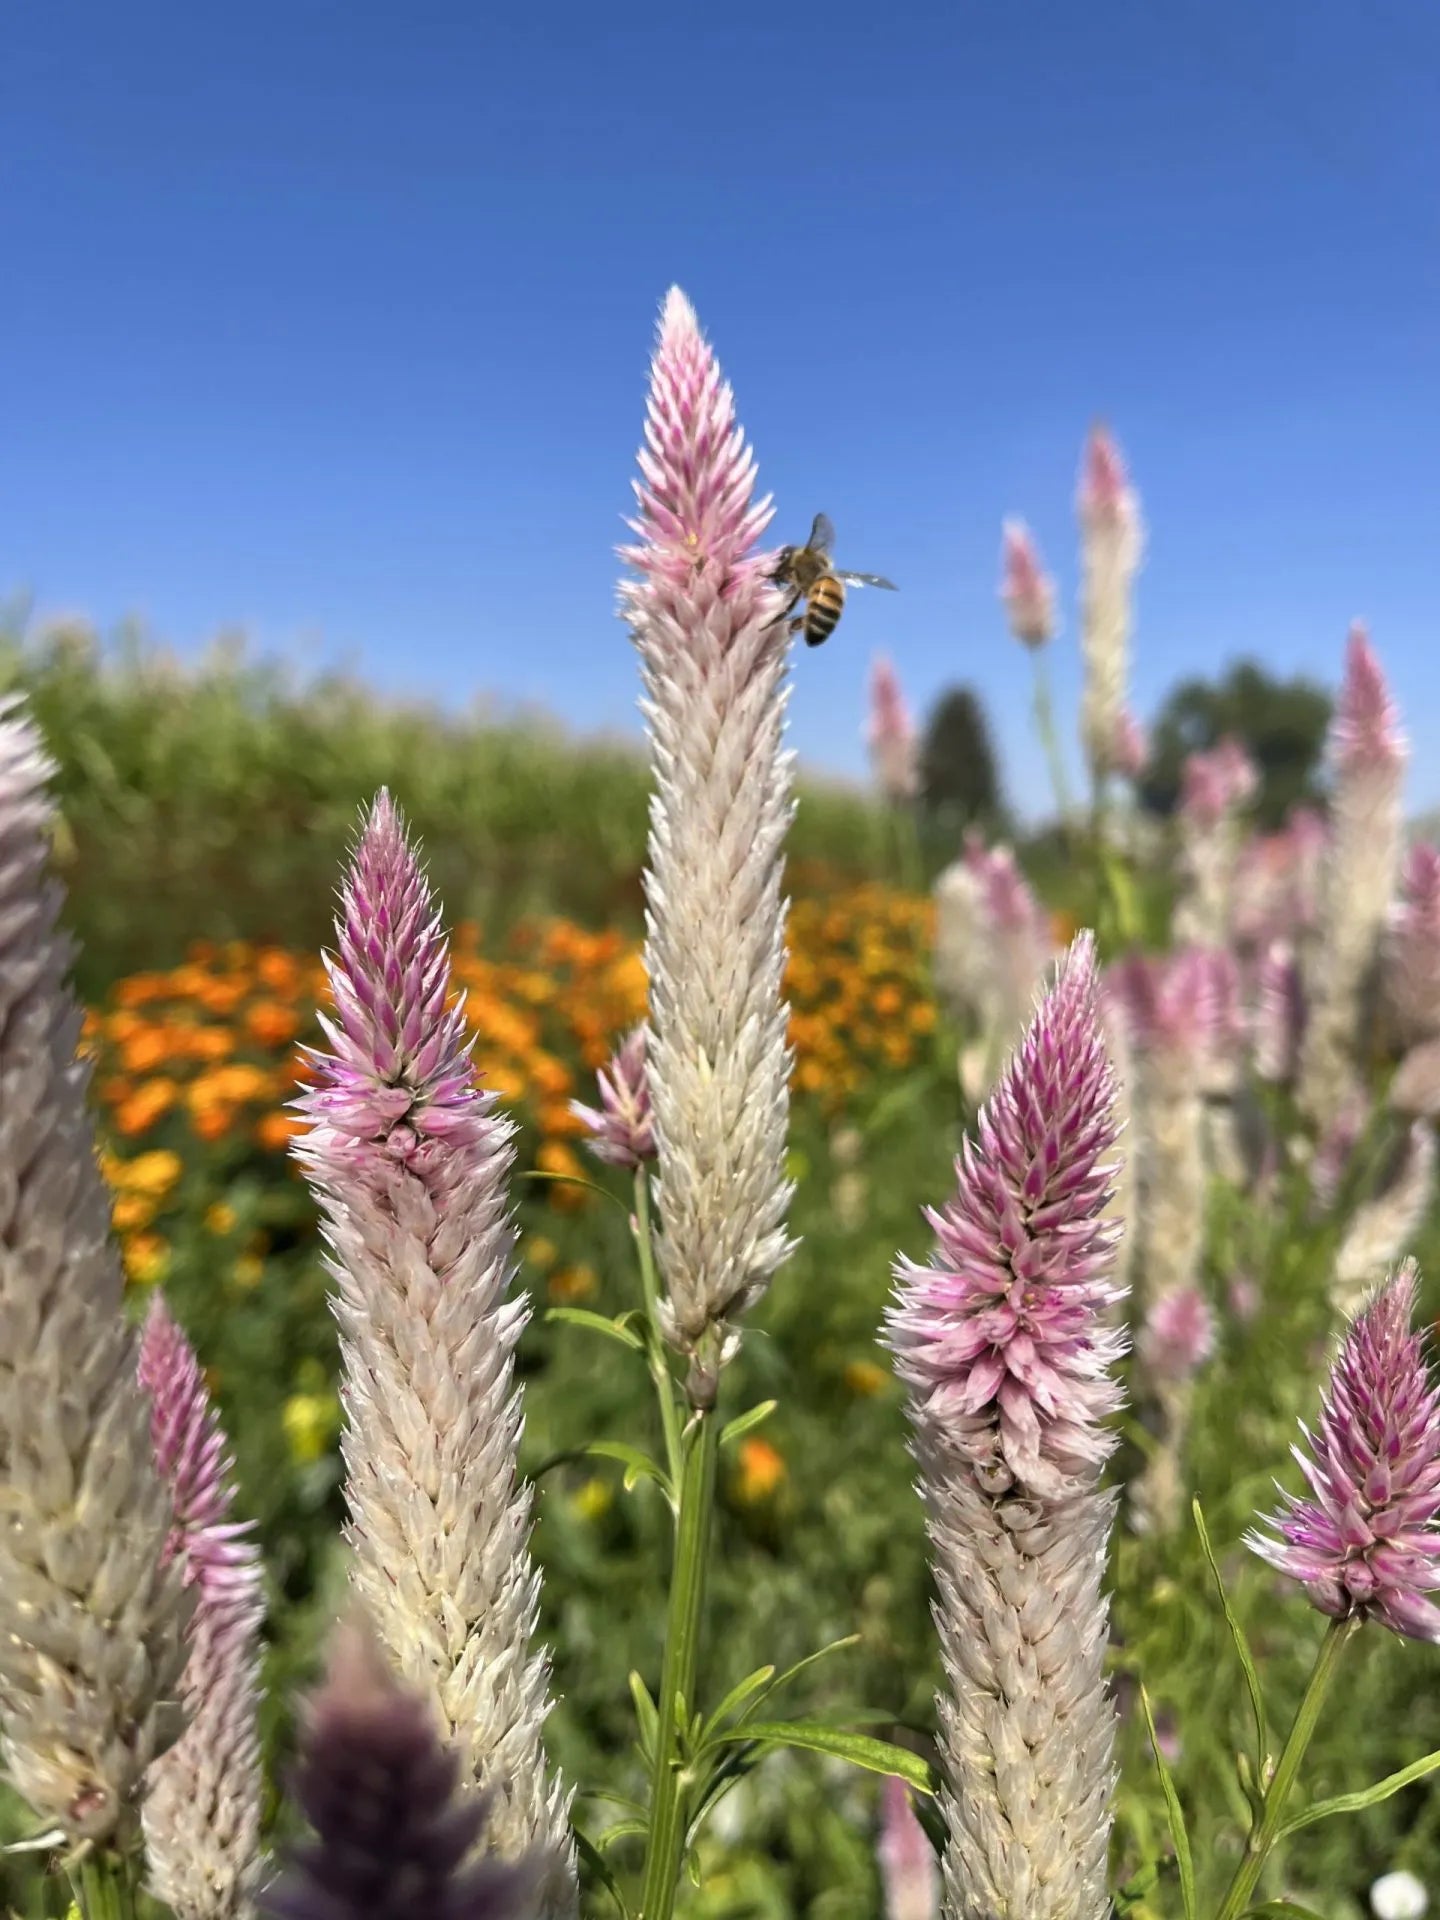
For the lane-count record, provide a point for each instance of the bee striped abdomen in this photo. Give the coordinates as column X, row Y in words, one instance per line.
column 823, row 610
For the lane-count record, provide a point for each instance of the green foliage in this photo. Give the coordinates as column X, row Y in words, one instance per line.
column 959, row 777
column 1281, row 723
column 222, row 795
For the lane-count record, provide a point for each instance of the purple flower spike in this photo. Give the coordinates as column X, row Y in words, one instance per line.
column 1366, row 1540
column 1001, row 1338
column 378, row 1788
column 1366, row 731
column 621, row 1130
column 203, row 1798
column 1178, row 1336
column 397, row 1084
column 1026, row 589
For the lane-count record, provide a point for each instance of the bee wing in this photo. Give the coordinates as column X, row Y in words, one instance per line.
column 866, row 580
column 822, row 534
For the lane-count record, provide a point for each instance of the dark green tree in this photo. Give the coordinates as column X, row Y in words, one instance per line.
column 959, row 780
column 1281, row 724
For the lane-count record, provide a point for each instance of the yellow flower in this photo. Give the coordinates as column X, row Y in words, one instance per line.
column 153, row 1173
column 761, row 1470
column 541, row 1252
column 569, row 1284
column 145, row 1257
column 310, row 1420
column 248, row 1270
column 592, row 1500
column 864, row 1378
column 131, row 1212
column 220, row 1219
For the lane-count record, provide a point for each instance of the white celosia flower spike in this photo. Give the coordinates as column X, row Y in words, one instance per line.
column 91, row 1620
column 410, row 1162
column 714, row 652
column 1111, row 544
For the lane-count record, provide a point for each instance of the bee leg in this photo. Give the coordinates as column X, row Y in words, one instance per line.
column 796, row 625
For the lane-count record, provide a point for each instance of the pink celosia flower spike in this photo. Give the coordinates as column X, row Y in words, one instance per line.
column 1130, row 749
column 1111, row 540
column 714, row 653
column 908, row 1869
column 1026, row 589
column 1412, row 970
column 1365, row 1540
column 92, row 1621
column 1368, row 753
column 203, row 1798
column 409, row 1161
column 1004, row 1344
column 620, row 1128
column 890, row 735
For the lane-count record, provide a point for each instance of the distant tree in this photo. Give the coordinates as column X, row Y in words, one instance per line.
column 1281, row 723
column 959, row 782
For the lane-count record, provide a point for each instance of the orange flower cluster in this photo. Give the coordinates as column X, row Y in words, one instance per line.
column 209, row 1049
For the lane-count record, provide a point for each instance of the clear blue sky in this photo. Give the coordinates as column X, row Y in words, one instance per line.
column 332, row 322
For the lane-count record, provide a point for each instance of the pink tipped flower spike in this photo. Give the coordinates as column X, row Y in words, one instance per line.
column 706, row 620
column 1365, row 1540
column 1412, row 973
column 1366, row 732
column 1178, row 1336
column 1026, row 589
column 409, row 1161
column 203, row 1798
column 1001, row 1339
column 621, row 1132
column 1131, row 749
column 908, row 1869
column 890, row 734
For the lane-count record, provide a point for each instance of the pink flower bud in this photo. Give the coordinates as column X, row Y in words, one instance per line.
column 1025, row 587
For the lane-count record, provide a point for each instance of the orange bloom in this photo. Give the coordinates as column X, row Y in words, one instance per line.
column 760, row 1471
column 275, row 1131
column 137, row 1112
column 271, row 1024
column 567, row 1285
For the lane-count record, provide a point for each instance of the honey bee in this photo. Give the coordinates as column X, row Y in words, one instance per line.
column 808, row 572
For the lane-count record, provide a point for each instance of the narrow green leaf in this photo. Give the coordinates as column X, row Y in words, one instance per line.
column 745, row 1422
column 1358, row 1802
column 1242, row 1645
column 637, row 1465
column 597, row 1323
column 645, row 1713
column 1174, row 1815
column 574, row 1180
column 622, row 1830
column 598, row 1865
column 820, row 1653
column 737, row 1697
column 879, row 1756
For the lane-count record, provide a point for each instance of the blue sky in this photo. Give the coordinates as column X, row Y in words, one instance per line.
column 332, row 323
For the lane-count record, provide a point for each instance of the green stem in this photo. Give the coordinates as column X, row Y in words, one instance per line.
column 655, row 1343
column 103, row 1886
column 664, row 1854
column 1257, row 1848
column 1049, row 736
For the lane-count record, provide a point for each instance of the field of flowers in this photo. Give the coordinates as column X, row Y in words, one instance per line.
column 892, row 1138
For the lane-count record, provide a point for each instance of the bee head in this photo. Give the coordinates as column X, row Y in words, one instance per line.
column 784, row 559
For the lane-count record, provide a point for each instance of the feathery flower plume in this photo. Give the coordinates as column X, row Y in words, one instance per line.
column 1178, row 1336
column 1369, row 753
column 1384, row 1228
column 714, row 653
column 1174, row 1006
column 1003, row 1344
column 203, row 1797
column 391, row 1836
column 1129, row 750
column 993, row 943
column 1336, row 1146
column 92, row 1622
column 1278, row 1019
column 890, row 735
column 1215, row 786
column 908, row 1869
column 1366, row 1539
column 409, row 1161
column 1026, row 589
column 1412, row 955
column 1110, row 547
column 1275, row 890
column 621, row 1133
